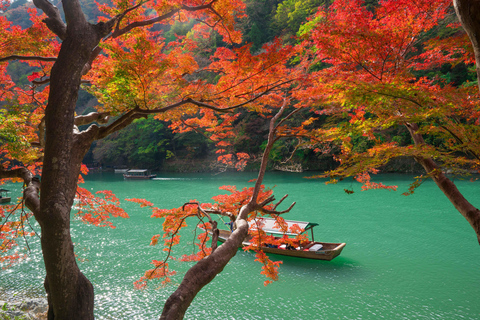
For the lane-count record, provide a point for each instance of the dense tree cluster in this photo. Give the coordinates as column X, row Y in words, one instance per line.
column 266, row 20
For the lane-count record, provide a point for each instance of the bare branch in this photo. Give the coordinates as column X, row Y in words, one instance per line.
column 118, row 32
column 99, row 117
column 266, row 202
column 293, row 152
column 286, row 118
column 215, row 231
column 206, row 269
column 27, row 58
column 200, row 210
column 279, row 202
column 230, row 215
column 460, row 141
column 120, row 17
column 32, row 190
column 261, row 206
column 136, row 24
column 40, row 82
column 267, row 211
column 266, row 152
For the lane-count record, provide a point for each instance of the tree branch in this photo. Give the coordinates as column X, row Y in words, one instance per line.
column 206, row 269
column 215, row 231
column 120, row 123
column 32, row 189
column 460, row 141
column 118, row 32
column 275, row 212
column 99, row 117
column 266, row 152
column 28, row 58
column 137, row 113
column 449, row 189
column 54, row 21
column 261, row 206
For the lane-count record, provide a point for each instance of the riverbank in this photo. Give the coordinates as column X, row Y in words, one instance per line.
column 210, row 165
column 28, row 309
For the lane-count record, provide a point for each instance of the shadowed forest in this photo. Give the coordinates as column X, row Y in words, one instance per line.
column 160, row 147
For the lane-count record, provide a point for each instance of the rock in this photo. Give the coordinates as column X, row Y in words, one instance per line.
column 28, row 309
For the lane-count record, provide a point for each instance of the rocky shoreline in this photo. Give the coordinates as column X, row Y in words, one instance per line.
column 27, row 309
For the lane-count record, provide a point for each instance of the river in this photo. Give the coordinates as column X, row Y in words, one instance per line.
column 409, row 257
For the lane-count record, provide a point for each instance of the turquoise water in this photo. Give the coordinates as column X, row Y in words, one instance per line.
column 406, row 257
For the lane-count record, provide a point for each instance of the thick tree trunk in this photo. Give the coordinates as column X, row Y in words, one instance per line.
column 466, row 209
column 70, row 294
column 468, row 12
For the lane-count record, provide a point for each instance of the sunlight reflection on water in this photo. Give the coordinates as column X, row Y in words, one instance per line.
column 394, row 265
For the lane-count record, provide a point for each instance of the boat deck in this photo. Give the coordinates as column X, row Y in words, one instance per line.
column 328, row 250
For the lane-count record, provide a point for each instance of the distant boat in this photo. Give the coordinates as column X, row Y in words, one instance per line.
column 309, row 250
column 120, row 170
column 138, row 174
column 4, row 198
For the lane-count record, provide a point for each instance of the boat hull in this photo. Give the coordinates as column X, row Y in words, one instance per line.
column 5, row 199
column 329, row 251
column 131, row 177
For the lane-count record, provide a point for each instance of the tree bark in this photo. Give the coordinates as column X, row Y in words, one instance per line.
column 204, row 271
column 449, row 189
column 468, row 12
column 70, row 294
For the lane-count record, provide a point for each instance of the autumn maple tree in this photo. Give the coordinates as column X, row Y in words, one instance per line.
column 240, row 207
column 126, row 63
column 371, row 78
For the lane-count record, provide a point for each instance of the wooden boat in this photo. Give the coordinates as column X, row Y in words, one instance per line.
column 138, row 174
column 310, row 250
column 4, row 196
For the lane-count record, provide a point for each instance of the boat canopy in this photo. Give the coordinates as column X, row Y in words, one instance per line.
column 269, row 225
column 4, row 190
column 138, row 171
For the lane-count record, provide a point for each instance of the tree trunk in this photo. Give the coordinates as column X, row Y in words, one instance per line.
column 205, row 270
column 70, row 294
column 468, row 12
column 449, row 189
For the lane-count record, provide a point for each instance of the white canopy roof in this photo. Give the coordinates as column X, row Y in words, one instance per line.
column 269, row 225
